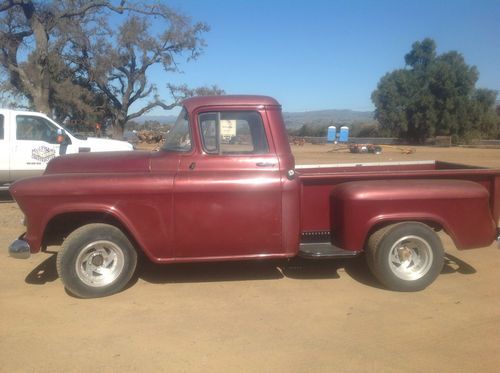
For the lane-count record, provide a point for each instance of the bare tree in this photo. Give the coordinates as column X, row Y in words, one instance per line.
column 117, row 63
column 31, row 24
column 72, row 64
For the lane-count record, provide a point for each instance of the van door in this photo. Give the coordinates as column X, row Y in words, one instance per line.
column 34, row 146
column 4, row 151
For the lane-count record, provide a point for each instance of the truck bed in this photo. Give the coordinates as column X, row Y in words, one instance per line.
column 318, row 181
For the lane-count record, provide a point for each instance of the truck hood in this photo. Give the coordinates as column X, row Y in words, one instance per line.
column 97, row 144
column 109, row 162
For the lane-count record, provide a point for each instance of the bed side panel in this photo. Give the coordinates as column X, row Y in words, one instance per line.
column 460, row 207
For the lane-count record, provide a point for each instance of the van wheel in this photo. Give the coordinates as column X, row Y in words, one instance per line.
column 405, row 256
column 96, row 260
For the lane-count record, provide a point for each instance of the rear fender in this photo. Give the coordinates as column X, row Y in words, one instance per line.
column 459, row 207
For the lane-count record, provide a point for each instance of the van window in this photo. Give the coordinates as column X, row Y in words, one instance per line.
column 1, row 127
column 35, row 129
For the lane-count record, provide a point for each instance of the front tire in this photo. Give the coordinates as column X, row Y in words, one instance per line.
column 96, row 260
column 405, row 256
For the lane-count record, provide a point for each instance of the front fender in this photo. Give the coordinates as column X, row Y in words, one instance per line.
column 142, row 205
column 460, row 207
column 37, row 224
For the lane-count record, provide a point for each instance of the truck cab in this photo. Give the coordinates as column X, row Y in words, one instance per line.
column 229, row 184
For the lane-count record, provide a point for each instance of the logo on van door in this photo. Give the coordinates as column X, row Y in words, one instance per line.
column 43, row 153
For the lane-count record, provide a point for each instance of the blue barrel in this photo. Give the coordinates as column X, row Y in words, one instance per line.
column 344, row 134
column 332, row 134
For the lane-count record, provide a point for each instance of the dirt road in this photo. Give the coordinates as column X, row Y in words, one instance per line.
column 256, row 317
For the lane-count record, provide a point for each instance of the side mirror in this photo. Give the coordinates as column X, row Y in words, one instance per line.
column 60, row 136
column 63, row 140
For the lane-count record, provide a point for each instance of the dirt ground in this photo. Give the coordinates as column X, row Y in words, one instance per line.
column 339, row 154
column 303, row 316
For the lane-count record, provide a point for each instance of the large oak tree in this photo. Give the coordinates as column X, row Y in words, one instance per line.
column 67, row 60
column 117, row 63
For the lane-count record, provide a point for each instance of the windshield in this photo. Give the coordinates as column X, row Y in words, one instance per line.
column 78, row 136
column 179, row 138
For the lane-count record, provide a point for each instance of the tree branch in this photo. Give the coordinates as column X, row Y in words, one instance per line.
column 150, row 106
column 141, row 94
column 16, row 36
column 90, row 5
column 139, row 8
column 110, row 95
column 6, row 5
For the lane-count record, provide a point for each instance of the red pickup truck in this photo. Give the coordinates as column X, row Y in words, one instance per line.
column 225, row 187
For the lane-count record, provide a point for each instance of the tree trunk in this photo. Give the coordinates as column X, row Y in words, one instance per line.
column 40, row 91
column 41, row 100
column 118, row 126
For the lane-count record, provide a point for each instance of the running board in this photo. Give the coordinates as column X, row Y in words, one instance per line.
column 324, row 250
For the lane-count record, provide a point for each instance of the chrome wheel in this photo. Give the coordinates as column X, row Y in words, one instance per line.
column 99, row 263
column 410, row 258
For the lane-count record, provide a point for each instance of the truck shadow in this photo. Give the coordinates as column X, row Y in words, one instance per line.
column 454, row 265
column 45, row 272
column 356, row 268
column 300, row 269
column 207, row 272
column 5, row 196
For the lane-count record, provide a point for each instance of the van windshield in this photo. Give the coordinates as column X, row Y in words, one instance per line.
column 179, row 137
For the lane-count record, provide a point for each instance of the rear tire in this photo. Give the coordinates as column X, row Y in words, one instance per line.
column 405, row 256
column 96, row 260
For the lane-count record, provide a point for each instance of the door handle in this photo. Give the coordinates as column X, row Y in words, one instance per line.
column 265, row 164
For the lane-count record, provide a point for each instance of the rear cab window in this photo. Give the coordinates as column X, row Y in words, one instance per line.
column 233, row 133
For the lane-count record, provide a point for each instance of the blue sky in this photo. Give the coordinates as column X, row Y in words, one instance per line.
column 314, row 55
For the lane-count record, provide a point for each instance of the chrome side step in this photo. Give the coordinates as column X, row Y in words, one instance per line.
column 324, row 250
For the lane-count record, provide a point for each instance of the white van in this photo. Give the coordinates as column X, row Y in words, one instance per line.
column 29, row 140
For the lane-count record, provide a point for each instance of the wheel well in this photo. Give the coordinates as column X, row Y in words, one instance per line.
column 60, row 226
column 432, row 224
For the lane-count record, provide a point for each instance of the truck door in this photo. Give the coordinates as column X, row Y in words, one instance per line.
column 34, row 144
column 4, row 150
column 227, row 196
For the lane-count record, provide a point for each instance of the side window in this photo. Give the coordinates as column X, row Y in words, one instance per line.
column 210, row 132
column 233, row 132
column 35, row 128
column 1, row 127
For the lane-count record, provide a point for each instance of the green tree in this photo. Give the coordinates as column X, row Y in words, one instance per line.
column 433, row 95
column 310, row 130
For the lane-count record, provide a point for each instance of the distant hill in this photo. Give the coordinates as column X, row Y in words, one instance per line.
column 163, row 119
column 326, row 117
column 293, row 120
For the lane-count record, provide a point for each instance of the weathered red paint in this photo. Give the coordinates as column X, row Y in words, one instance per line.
column 460, row 207
column 195, row 206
